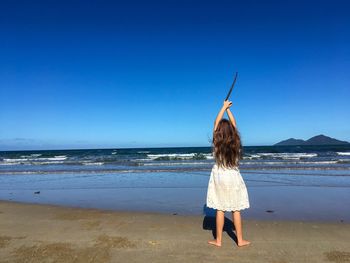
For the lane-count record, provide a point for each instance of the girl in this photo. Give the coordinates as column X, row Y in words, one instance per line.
column 226, row 189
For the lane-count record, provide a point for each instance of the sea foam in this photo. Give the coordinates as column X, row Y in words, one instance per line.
column 344, row 153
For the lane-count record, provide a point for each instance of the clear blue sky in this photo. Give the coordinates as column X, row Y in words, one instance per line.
column 80, row 74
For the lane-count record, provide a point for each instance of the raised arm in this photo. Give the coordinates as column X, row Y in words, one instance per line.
column 231, row 117
column 225, row 106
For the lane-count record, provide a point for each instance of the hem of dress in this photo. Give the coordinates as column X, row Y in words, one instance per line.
column 228, row 209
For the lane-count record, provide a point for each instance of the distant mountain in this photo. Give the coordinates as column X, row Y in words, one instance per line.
column 290, row 141
column 324, row 140
column 316, row 140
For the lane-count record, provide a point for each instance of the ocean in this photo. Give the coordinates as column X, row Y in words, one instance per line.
column 321, row 158
column 284, row 182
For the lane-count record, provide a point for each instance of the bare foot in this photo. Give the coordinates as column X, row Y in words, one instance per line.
column 215, row 243
column 243, row 243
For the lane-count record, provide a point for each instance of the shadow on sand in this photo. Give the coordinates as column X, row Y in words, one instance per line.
column 209, row 223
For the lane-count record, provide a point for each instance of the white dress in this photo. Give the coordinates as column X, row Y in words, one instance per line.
column 227, row 190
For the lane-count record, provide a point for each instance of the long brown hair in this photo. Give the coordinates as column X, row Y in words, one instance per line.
column 227, row 147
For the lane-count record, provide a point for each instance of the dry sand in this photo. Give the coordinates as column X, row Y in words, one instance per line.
column 46, row 233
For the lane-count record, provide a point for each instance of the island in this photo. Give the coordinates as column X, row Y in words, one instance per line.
column 316, row 140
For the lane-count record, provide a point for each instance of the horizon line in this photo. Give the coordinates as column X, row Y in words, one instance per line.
column 162, row 147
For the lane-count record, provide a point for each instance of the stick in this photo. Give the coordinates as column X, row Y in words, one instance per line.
column 233, row 84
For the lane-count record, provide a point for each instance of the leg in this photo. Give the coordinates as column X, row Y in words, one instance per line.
column 236, row 216
column 220, row 219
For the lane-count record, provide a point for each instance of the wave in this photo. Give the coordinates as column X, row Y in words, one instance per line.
column 179, row 156
column 284, row 156
column 251, row 156
column 287, row 163
column 56, row 158
column 209, row 156
column 10, row 163
column 15, row 160
column 92, row 163
column 172, row 163
column 344, row 153
column 170, row 155
column 31, row 155
column 50, row 162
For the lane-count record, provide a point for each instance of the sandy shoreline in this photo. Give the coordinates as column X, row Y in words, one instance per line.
column 185, row 194
column 47, row 233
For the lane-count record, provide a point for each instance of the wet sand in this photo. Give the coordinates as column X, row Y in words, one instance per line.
column 46, row 233
column 185, row 193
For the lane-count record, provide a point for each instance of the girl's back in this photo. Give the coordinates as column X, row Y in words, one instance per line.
column 226, row 189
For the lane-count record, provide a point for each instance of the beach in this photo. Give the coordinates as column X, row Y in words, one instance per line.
column 308, row 195
column 47, row 233
column 309, row 183
column 148, row 205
